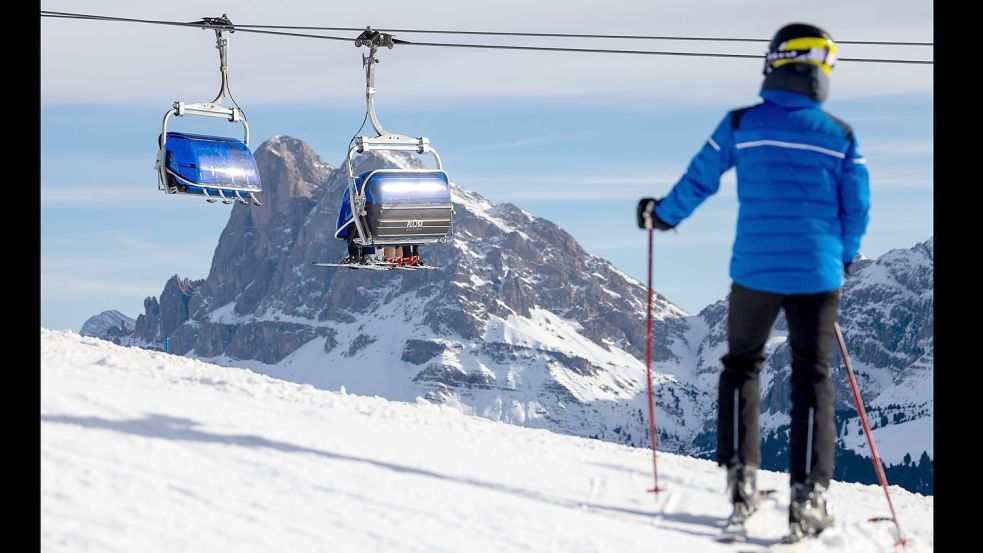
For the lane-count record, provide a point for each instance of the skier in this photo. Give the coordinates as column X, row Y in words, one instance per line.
column 804, row 201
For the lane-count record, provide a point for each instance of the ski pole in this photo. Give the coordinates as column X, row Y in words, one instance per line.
column 878, row 468
column 648, row 368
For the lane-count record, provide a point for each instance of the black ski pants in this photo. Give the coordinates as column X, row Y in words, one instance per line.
column 810, row 318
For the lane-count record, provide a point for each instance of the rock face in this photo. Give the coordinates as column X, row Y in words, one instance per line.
column 519, row 324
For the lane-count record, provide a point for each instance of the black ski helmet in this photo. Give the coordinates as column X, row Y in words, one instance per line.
column 801, row 43
column 799, row 59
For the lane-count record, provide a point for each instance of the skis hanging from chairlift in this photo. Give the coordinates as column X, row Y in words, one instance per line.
column 377, row 265
column 387, row 214
column 216, row 167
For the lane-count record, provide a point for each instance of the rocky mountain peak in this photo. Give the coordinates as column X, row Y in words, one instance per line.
column 289, row 169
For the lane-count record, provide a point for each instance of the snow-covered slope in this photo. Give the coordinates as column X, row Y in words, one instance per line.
column 144, row 451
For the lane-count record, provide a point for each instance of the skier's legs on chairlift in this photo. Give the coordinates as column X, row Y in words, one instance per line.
column 357, row 254
column 411, row 255
column 389, row 253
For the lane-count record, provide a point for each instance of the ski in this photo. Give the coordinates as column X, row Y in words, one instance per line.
column 793, row 542
column 735, row 529
column 735, row 532
column 801, row 546
column 381, row 266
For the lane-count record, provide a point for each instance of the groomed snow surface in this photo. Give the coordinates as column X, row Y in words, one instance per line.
column 143, row 451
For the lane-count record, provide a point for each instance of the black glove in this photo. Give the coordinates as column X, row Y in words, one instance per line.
column 846, row 268
column 645, row 214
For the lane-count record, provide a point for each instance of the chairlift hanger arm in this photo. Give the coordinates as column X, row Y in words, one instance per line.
column 373, row 39
column 384, row 140
column 220, row 25
column 214, row 108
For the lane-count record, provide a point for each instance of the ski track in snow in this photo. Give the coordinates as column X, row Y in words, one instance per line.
column 143, row 451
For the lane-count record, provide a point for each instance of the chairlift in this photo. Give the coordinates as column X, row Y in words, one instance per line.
column 216, row 167
column 390, row 209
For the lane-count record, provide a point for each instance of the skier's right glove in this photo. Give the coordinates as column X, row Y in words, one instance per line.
column 645, row 213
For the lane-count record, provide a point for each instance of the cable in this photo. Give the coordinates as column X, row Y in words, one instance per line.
column 549, row 35
column 643, row 52
column 67, row 15
column 575, row 35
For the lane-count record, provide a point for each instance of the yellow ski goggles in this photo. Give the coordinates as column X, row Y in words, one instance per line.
column 812, row 50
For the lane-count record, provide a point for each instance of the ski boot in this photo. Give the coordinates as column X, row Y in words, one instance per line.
column 809, row 512
column 742, row 490
column 356, row 254
column 411, row 256
column 352, row 260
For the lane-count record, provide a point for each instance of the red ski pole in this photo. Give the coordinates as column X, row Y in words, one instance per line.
column 648, row 373
column 878, row 468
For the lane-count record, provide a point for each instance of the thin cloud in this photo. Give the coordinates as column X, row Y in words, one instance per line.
column 901, row 183
column 97, row 195
column 59, row 287
column 900, row 148
column 133, row 253
column 526, row 141
column 577, row 187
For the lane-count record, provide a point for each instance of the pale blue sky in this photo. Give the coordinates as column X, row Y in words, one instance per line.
column 576, row 139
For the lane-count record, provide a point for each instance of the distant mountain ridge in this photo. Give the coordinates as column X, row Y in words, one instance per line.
column 108, row 324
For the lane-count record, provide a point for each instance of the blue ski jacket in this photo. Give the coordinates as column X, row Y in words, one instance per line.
column 803, row 190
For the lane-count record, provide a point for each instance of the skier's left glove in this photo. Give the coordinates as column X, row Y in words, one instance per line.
column 645, row 214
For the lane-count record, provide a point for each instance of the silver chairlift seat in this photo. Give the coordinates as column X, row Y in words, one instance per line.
column 401, row 207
